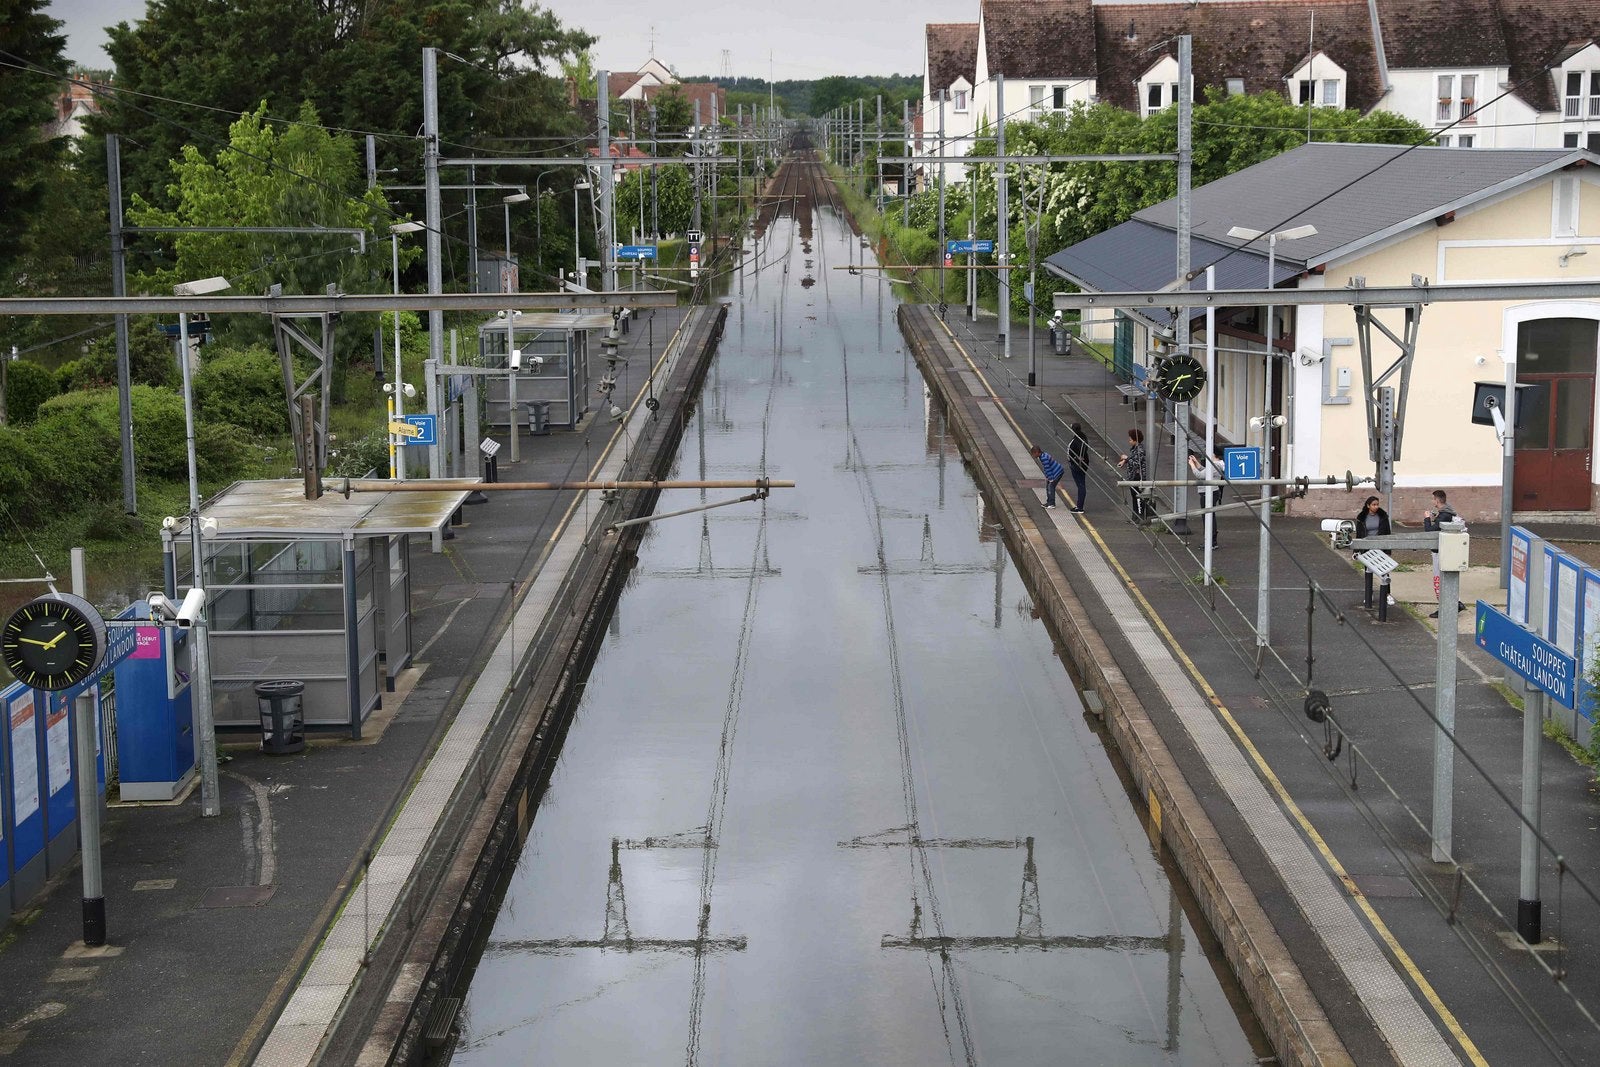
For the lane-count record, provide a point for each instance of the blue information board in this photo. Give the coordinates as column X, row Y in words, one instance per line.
column 428, row 424
column 636, row 251
column 1544, row 665
column 1242, row 464
column 967, row 248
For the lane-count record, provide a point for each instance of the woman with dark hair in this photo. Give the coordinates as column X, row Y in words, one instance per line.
column 1133, row 464
column 1373, row 521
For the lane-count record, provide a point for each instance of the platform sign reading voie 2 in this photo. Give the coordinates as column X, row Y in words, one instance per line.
column 1544, row 665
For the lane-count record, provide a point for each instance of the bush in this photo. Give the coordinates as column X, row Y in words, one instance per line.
column 151, row 361
column 357, row 457
column 27, row 386
column 243, row 387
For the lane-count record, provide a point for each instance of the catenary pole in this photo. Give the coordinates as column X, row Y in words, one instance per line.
column 119, row 288
column 1002, row 217
column 1180, row 322
column 430, row 156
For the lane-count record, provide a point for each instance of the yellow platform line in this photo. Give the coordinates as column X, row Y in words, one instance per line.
column 1443, row 1013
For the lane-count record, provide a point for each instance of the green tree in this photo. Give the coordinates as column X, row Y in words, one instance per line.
column 674, row 198
column 674, row 118
column 29, row 82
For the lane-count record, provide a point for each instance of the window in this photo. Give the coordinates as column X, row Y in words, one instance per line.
column 1469, row 94
column 1467, row 140
column 1594, row 143
column 1330, row 92
column 1235, row 86
column 1574, row 95
column 1305, row 92
column 1152, row 98
column 1036, row 97
column 961, row 100
column 1569, row 140
column 1443, row 140
column 1447, row 97
column 1565, row 222
column 1058, row 98
column 1594, row 94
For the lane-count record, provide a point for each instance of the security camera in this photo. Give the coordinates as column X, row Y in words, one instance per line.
column 194, row 602
column 516, row 359
column 162, row 609
column 537, row 361
column 410, row 390
column 1340, row 531
column 616, row 412
column 1309, row 358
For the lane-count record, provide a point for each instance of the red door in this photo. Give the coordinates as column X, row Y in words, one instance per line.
column 1554, row 442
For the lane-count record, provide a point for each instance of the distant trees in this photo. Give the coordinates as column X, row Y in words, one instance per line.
column 29, row 162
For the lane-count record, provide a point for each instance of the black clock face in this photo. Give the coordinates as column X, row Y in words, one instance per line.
column 53, row 642
column 1182, row 378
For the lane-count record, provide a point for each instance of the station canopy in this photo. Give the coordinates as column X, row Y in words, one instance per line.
column 279, row 509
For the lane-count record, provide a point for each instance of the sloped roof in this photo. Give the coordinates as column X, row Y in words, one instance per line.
column 1039, row 38
column 1258, row 42
column 621, row 81
column 702, row 92
column 1352, row 192
column 1139, row 257
column 1442, row 33
column 952, row 53
column 1536, row 32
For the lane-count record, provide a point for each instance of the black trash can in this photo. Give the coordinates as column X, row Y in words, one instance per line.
column 538, row 417
column 283, row 718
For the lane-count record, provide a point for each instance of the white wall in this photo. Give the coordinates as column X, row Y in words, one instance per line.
column 1507, row 123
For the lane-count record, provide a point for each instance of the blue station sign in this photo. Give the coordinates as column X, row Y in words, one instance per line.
column 428, row 424
column 1544, row 665
column 636, row 251
column 1242, row 464
column 967, row 248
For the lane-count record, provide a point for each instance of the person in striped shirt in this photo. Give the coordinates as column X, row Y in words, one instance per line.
column 1052, row 473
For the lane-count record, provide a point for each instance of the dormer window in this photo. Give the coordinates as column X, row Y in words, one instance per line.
column 959, row 99
column 1319, row 82
column 1158, row 88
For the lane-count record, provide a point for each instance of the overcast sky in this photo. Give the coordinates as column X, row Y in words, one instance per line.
column 805, row 38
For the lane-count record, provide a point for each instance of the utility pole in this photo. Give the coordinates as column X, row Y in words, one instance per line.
column 608, row 221
column 716, row 150
column 878, row 151
column 119, row 288
column 695, row 148
column 430, row 157
column 1180, row 318
column 472, row 229
column 1003, row 244
column 943, row 243
column 655, row 204
column 905, row 167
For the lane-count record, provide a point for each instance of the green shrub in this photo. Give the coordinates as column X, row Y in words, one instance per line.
column 243, row 387
column 151, row 360
column 17, row 466
column 360, row 455
column 27, row 386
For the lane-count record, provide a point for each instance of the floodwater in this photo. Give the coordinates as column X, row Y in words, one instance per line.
column 829, row 796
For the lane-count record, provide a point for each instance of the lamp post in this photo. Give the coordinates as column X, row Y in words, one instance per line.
column 1269, row 422
column 577, row 236
column 397, row 455
column 511, row 331
column 538, row 216
column 204, row 725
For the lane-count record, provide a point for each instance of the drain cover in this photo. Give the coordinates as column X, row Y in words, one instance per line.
column 237, row 896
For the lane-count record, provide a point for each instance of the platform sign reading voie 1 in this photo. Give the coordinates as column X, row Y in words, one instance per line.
column 1544, row 665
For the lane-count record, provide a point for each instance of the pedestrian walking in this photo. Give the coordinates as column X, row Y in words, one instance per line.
column 1373, row 521
column 1052, row 473
column 1078, row 463
column 1210, row 469
column 1432, row 520
column 1133, row 464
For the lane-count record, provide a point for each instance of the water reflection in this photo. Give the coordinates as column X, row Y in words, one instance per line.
column 825, row 800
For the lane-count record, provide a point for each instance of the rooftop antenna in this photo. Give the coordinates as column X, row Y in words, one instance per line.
column 652, row 40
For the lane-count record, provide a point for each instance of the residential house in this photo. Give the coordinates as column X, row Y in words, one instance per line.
column 79, row 98
column 950, row 65
column 1386, row 214
column 1479, row 73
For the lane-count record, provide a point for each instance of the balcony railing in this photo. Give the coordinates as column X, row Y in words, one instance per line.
column 1573, row 108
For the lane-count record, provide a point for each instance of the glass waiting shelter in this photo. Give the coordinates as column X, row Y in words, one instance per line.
column 318, row 591
column 555, row 350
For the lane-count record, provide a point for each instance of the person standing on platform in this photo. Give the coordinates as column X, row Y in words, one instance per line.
column 1078, row 462
column 1052, row 473
column 1210, row 470
column 1133, row 465
column 1373, row 521
column 1432, row 520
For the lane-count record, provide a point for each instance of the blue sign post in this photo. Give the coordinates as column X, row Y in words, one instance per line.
column 428, row 424
column 1544, row 665
column 967, row 248
column 636, row 251
column 1242, row 464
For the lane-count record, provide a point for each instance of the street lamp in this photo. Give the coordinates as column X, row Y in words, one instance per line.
column 1268, row 422
column 511, row 329
column 577, row 239
column 204, row 723
column 538, row 218
column 397, row 457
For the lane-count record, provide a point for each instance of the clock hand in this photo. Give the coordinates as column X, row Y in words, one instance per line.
column 42, row 644
column 56, row 640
